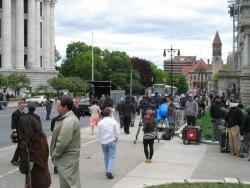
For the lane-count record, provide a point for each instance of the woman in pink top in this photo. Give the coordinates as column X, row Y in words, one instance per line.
column 95, row 112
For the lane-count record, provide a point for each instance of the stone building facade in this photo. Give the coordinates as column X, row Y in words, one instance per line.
column 234, row 79
column 27, row 39
column 244, row 50
column 198, row 77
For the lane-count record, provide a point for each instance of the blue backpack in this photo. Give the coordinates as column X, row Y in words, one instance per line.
column 162, row 111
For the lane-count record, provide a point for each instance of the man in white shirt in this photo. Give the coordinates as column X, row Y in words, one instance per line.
column 108, row 132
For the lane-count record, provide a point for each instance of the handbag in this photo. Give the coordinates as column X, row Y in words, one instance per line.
column 28, row 176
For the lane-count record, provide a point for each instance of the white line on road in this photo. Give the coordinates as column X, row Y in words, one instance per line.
column 10, row 172
column 89, row 142
column 5, row 115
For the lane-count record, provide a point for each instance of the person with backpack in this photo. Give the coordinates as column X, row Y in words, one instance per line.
column 149, row 135
column 128, row 109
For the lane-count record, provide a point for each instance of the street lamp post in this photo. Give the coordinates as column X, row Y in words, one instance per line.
column 171, row 51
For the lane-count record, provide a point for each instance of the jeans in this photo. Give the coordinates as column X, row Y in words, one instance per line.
column 109, row 151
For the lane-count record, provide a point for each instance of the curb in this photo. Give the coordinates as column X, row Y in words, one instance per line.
column 225, row 180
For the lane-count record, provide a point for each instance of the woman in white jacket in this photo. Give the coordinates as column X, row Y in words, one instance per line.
column 108, row 132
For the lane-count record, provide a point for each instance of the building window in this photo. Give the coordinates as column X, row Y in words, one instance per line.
column 191, row 77
column 25, row 6
column 0, row 60
column 41, row 34
column 194, row 77
column 41, row 9
column 0, row 4
column 25, row 33
column 26, row 61
column 41, row 61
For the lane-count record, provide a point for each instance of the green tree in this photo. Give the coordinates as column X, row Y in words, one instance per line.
column 18, row 81
column 3, row 82
column 73, row 84
column 57, row 83
column 73, row 50
column 117, row 68
column 180, row 82
column 58, row 56
column 84, row 66
column 160, row 76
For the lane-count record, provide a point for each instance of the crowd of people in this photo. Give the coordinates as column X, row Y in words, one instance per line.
column 229, row 115
column 32, row 150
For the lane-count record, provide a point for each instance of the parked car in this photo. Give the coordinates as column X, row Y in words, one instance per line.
column 3, row 105
column 39, row 100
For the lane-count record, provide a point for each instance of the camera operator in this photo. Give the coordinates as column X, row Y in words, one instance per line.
column 14, row 127
column 144, row 105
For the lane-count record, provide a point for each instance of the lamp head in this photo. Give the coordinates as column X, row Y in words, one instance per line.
column 164, row 53
column 178, row 53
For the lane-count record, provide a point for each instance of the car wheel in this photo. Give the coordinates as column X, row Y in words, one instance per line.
column 42, row 103
column 2, row 107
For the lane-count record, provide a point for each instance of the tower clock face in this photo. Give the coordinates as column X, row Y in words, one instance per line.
column 217, row 51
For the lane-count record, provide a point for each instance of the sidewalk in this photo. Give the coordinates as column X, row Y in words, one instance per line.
column 173, row 162
column 176, row 162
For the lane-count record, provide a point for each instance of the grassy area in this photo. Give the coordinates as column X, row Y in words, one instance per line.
column 206, row 124
column 201, row 185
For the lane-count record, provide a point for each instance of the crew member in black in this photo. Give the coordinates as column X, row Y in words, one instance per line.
column 14, row 127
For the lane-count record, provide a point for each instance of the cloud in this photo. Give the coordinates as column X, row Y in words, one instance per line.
column 143, row 28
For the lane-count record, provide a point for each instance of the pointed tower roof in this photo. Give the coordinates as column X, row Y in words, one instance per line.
column 217, row 39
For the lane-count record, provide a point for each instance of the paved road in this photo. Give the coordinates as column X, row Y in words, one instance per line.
column 172, row 161
column 129, row 155
column 5, row 122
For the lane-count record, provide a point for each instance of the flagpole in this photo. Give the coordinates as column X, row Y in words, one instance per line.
column 92, row 65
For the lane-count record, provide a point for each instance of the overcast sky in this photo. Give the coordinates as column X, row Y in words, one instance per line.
column 143, row 28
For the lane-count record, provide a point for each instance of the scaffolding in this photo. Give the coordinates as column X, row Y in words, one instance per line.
column 233, row 7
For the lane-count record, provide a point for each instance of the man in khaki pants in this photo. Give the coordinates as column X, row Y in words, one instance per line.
column 234, row 119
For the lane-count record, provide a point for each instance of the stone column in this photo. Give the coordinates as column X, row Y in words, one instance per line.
column 52, row 35
column 6, row 34
column 245, row 72
column 38, row 34
column 31, row 34
column 46, row 35
column 20, row 34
